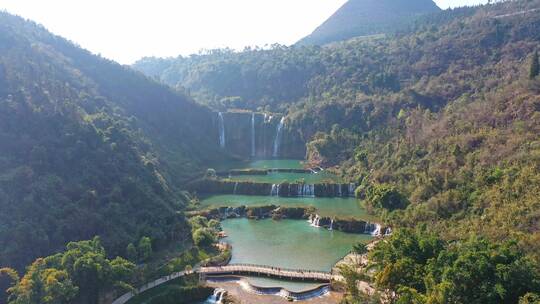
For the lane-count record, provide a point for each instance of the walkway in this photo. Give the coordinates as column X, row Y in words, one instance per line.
column 247, row 269
column 276, row 272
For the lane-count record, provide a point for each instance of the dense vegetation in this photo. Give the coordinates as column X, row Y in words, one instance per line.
column 89, row 147
column 367, row 17
column 438, row 124
column 81, row 274
column 423, row 268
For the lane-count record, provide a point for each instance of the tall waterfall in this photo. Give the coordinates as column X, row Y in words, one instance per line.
column 331, row 224
column 253, row 134
column 235, row 187
column 277, row 140
column 221, row 126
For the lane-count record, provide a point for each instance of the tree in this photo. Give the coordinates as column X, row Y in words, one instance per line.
column 530, row 298
column 385, row 196
column 203, row 237
column 360, row 248
column 145, row 248
column 131, row 252
column 535, row 66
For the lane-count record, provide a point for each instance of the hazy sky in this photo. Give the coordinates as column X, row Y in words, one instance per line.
column 126, row 30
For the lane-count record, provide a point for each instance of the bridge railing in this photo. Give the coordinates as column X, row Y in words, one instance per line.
column 280, row 269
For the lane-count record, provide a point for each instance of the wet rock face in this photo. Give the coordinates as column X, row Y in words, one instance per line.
column 240, row 131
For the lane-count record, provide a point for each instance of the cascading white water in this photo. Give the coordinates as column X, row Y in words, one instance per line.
column 221, row 126
column 340, row 192
column 315, row 220
column 331, row 224
column 373, row 229
column 253, row 135
column 217, row 297
column 277, row 139
column 275, row 190
column 235, row 187
column 305, row 190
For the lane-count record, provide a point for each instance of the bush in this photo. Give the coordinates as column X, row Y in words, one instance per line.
column 204, row 237
column 385, row 197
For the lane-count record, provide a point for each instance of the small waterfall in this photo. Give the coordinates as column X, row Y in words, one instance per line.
column 221, row 125
column 275, row 190
column 253, row 134
column 305, row 190
column 315, row 220
column 277, row 140
column 235, row 187
column 373, row 229
column 217, row 297
column 352, row 187
column 331, row 224
column 340, row 192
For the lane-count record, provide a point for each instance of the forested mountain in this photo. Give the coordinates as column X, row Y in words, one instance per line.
column 368, row 17
column 438, row 124
column 88, row 147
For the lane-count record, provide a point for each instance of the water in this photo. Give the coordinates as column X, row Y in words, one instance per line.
column 280, row 177
column 217, row 297
column 221, row 126
column 287, row 243
column 261, row 164
column 277, row 140
column 326, row 206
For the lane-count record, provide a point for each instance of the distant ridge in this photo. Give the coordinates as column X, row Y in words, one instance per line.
column 367, row 17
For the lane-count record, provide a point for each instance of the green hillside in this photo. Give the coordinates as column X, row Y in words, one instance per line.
column 88, row 147
column 368, row 17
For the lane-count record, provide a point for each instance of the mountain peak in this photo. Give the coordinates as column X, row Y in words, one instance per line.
column 367, row 17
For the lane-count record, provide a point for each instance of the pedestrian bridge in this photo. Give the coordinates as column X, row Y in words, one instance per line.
column 239, row 269
column 269, row 271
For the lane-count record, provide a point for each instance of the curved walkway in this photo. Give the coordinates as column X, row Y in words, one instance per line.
column 276, row 272
column 257, row 270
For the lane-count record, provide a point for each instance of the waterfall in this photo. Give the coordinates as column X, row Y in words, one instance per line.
column 315, row 220
column 217, row 297
column 352, row 187
column 253, row 134
column 275, row 190
column 340, row 192
column 235, row 187
column 305, row 190
column 221, row 125
column 277, row 139
column 373, row 229
column 331, row 224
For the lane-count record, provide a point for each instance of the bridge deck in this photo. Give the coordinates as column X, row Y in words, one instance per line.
column 294, row 274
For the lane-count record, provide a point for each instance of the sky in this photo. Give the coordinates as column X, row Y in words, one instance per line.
column 127, row 30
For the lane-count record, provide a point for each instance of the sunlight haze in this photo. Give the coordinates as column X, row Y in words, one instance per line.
column 128, row 30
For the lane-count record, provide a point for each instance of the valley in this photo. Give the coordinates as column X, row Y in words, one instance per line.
column 392, row 156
